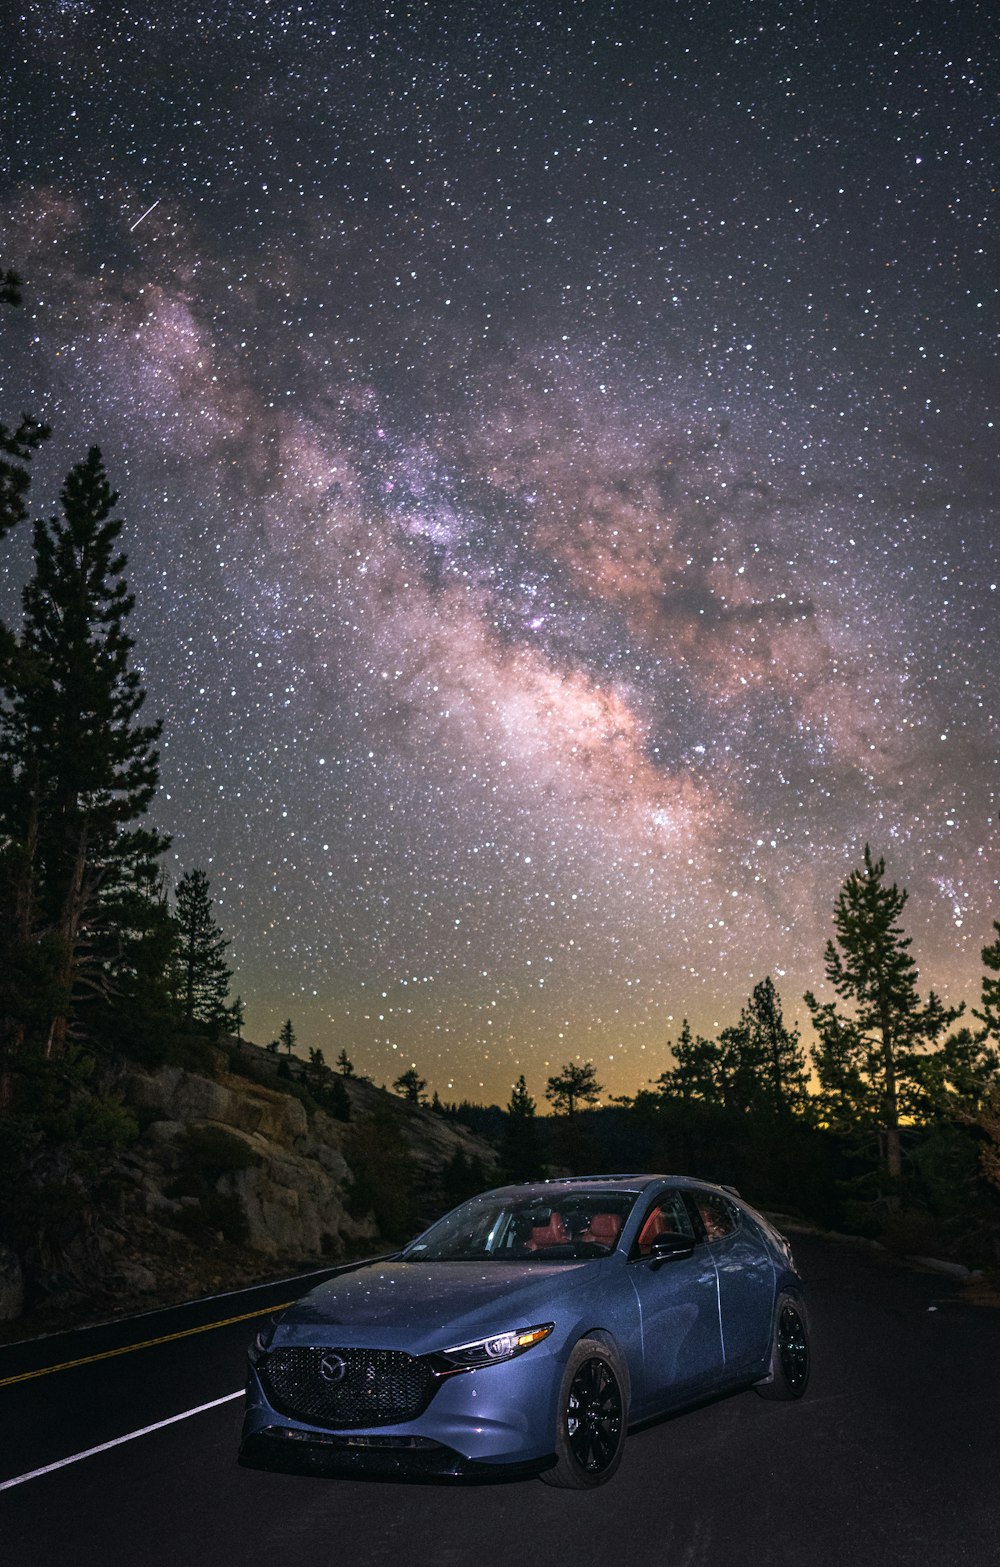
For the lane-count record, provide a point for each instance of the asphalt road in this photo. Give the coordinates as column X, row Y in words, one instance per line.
column 893, row 1456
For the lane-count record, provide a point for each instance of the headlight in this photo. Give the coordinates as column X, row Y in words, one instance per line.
column 262, row 1342
column 499, row 1346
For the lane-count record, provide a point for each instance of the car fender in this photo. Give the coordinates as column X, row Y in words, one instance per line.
column 604, row 1337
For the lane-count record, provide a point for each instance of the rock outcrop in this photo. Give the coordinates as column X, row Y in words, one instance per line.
column 288, row 1177
column 235, row 1175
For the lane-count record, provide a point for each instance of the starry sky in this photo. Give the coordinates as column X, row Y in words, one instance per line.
column 557, row 444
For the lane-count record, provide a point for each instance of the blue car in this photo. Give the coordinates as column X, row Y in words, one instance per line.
column 526, row 1330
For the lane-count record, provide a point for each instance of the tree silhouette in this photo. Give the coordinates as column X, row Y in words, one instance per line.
column 574, row 1086
column 520, row 1139
column 237, row 1017
column 203, row 978
column 317, row 1073
column 78, row 769
column 866, row 1055
column 286, row 1037
column 765, row 1067
column 697, row 1071
column 410, row 1085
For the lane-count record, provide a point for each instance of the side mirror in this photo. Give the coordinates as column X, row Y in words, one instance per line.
column 668, row 1248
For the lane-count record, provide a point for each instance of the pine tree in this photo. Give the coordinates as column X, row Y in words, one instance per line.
column 30, row 991
column 286, row 1037
column 411, row 1085
column 572, row 1087
column 697, row 1072
column 135, row 947
column 237, row 1018
column 202, row 975
column 317, row 1073
column 78, row 770
column 777, row 1057
column 344, row 1064
column 520, row 1141
column 866, row 1056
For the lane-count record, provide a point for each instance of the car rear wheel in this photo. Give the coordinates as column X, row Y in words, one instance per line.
column 788, row 1376
column 591, row 1423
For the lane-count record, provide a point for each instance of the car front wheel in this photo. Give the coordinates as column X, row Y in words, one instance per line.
column 592, row 1417
column 788, row 1375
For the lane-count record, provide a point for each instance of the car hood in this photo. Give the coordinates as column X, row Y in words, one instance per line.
column 424, row 1306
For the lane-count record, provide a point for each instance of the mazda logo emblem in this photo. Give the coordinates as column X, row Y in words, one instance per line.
column 333, row 1368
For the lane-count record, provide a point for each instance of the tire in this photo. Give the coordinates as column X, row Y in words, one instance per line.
column 592, row 1418
column 788, row 1375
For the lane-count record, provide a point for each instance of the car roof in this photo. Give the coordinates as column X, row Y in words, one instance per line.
column 570, row 1184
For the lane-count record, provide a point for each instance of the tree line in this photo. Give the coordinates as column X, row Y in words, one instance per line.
column 890, row 1123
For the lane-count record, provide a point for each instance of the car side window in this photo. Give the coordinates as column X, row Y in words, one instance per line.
column 717, row 1215
column 668, row 1217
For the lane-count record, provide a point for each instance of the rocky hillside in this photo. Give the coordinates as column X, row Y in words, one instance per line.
column 239, row 1175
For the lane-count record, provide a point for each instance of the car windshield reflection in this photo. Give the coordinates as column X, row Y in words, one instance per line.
column 572, row 1228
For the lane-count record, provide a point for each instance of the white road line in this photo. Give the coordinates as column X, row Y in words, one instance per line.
column 34, row 1474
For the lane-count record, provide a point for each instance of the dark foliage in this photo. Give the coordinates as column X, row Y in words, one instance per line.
column 411, row 1085
column 386, row 1181
column 202, row 975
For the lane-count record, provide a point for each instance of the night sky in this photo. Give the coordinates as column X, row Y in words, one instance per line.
column 558, row 452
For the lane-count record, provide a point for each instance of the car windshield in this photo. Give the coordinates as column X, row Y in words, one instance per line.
column 566, row 1227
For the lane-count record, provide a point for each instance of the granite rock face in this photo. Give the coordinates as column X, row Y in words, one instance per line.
column 236, row 1175
column 179, row 1096
column 291, row 1186
column 289, row 1173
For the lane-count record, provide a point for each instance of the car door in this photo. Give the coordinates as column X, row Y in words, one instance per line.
column 746, row 1279
column 682, row 1350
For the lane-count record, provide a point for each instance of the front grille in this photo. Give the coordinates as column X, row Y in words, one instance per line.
column 377, row 1387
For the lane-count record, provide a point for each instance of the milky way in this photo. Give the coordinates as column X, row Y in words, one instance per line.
column 558, row 450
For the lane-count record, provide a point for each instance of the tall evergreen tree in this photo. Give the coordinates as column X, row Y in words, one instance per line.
column 79, row 770
column 866, row 1055
column 520, row 1139
column 286, row 1037
column 774, row 1052
column 203, row 977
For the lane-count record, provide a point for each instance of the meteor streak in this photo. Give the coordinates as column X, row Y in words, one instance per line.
column 145, row 214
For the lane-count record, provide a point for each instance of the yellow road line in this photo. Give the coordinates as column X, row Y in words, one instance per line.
column 127, row 1349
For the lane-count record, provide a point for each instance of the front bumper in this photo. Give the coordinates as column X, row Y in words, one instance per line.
column 501, row 1416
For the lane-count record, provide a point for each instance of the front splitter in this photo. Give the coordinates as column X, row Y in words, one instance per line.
column 343, row 1457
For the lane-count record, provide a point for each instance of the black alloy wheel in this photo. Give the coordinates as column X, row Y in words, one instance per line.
column 793, row 1347
column 594, row 1416
column 788, row 1376
column 592, row 1420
